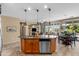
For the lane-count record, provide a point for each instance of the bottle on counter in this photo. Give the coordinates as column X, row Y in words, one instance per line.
column 36, row 34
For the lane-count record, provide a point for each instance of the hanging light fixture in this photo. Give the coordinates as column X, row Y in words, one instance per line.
column 25, row 10
column 37, row 10
column 49, row 9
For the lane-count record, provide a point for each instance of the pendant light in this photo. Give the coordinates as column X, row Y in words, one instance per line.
column 37, row 10
column 25, row 10
column 49, row 9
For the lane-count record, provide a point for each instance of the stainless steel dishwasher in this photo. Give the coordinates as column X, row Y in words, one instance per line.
column 45, row 46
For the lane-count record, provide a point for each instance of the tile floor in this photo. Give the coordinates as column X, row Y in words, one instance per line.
column 12, row 50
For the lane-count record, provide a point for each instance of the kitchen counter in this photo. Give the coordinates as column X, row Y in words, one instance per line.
column 43, row 37
column 32, row 44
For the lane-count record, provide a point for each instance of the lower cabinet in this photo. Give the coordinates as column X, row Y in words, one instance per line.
column 30, row 46
column 23, row 45
column 53, row 45
column 35, row 46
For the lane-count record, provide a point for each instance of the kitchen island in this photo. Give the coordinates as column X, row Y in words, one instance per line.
column 31, row 45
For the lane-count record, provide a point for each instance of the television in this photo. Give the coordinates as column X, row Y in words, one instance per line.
column 34, row 29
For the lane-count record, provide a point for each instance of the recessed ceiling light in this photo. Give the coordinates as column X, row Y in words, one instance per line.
column 45, row 6
column 29, row 8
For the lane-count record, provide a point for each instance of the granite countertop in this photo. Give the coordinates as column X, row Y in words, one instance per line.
column 41, row 37
column 48, row 36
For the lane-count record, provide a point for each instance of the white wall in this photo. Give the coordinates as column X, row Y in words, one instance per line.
column 10, row 37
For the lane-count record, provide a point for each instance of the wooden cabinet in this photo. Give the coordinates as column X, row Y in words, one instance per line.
column 30, row 45
column 53, row 45
column 22, row 45
column 35, row 46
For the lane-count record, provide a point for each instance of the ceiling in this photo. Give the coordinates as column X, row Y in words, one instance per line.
column 59, row 10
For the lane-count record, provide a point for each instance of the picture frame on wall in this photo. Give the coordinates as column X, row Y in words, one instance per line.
column 11, row 29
